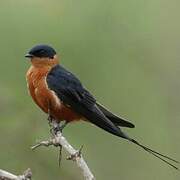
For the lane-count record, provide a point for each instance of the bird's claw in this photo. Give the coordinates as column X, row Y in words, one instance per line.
column 60, row 127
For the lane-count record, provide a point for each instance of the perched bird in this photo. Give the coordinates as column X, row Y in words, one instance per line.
column 60, row 94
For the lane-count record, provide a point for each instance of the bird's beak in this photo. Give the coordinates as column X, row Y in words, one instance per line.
column 29, row 55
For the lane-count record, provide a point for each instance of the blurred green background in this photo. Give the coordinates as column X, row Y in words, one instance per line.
column 127, row 53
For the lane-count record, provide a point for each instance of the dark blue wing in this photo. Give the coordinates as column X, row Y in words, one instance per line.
column 119, row 121
column 68, row 88
column 71, row 92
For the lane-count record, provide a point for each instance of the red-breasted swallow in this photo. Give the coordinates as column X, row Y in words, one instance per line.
column 60, row 94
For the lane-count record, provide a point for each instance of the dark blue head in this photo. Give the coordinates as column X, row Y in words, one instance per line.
column 41, row 51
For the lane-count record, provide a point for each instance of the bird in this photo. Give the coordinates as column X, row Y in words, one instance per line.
column 61, row 95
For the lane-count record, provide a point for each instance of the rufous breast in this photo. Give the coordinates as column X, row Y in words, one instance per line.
column 45, row 98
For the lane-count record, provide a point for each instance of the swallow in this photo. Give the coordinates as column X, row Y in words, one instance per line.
column 60, row 94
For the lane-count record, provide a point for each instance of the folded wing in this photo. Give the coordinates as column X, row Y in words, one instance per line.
column 71, row 92
column 114, row 118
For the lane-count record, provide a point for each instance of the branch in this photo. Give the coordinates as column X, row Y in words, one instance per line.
column 4, row 175
column 76, row 156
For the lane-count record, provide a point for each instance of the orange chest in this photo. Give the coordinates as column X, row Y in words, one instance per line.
column 45, row 98
column 38, row 88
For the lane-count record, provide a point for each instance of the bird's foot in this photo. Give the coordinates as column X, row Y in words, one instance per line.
column 55, row 126
column 78, row 154
column 59, row 127
column 56, row 129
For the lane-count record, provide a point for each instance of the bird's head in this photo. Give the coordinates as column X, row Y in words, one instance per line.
column 42, row 55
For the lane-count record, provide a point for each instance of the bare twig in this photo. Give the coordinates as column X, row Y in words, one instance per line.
column 76, row 156
column 4, row 175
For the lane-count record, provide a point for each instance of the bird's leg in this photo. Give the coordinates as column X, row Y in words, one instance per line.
column 50, row 119
column 55, row 127
column 59, row 127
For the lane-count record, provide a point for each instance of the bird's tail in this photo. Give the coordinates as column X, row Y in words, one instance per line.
column 99, row 119
column 158, row 155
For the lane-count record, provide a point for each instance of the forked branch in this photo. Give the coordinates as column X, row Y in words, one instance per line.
column 59, row 140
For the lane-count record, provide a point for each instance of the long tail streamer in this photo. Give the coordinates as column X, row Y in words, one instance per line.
column 157, row 154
